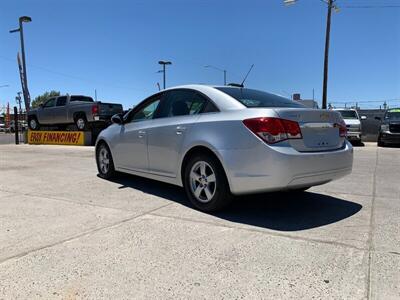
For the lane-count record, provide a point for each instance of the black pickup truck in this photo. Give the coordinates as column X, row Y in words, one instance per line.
column 389, row 131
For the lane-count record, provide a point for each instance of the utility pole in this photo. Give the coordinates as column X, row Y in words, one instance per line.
column 326, row 57
column 164, row 63
column 331, row 4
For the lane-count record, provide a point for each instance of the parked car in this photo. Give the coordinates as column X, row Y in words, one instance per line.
column 219, row 141
column 82, row 111
column 22, row 126
column 2, row 127
column 353, row 123
column 389, row 131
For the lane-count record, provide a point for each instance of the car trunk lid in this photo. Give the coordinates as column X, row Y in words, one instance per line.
column 319, row 128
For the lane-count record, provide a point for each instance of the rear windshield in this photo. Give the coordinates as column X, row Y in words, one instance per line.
column 254, row 98
column 348, row 114
column 81, row 98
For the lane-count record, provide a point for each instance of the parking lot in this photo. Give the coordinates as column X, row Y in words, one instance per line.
column 66, row 233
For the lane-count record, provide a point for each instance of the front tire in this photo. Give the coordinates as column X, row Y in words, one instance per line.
column 33, row 123
column 206, row 184
column 104, row 160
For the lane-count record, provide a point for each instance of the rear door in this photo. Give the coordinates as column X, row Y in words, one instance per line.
column 178, row 111
column 60, row 111
column 319, row 128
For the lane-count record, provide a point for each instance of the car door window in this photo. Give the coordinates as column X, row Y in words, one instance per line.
column 181, row 103
column 50, row 103
column 61, row 101
column 147, row 112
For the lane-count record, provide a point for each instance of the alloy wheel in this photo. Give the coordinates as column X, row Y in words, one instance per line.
column 203, row 183
column 80, row 123
column 33, row 123
column 104, row 160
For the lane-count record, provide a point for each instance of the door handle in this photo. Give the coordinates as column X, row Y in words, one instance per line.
column 141, row 133
column 180, row 129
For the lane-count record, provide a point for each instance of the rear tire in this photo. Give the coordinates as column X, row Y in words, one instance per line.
column 81, row 122
column 104, row 160
column 33, row 123
column 206, row 184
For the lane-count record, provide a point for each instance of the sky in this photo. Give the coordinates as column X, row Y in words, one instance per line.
column 79, row 46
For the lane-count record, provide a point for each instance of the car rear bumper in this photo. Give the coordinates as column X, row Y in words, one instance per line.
column 266, row 168
column 390, row 138
column 353, row 135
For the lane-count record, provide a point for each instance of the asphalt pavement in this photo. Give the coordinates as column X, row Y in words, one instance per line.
column 65, row 233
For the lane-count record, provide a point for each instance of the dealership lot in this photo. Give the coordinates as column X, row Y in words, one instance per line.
column 66, row 233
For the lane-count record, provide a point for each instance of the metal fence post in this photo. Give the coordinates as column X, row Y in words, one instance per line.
column 16, row 125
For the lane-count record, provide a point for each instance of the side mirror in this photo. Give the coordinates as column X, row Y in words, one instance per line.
column 378, row 118
column 116, row 119
column 363, row 117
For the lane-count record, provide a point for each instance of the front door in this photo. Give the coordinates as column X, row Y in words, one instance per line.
column 46, row 112
column 131, row 145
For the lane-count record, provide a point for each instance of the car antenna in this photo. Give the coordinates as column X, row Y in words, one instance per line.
column 247, row 75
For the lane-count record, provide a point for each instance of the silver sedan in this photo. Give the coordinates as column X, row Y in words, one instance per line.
column 222, row 141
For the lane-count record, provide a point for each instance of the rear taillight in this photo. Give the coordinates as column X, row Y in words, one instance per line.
column 273, row 130
column 342, row 128
column 95, row 109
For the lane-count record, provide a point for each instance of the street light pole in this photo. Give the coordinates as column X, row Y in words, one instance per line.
column 326, row 56
column 224, row 77
column 24, row 19
column 218, row 69
column 164, row 63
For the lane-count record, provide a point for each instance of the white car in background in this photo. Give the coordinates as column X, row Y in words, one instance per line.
column 353, row 123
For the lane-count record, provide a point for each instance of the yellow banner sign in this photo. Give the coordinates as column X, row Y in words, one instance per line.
column 56, row 137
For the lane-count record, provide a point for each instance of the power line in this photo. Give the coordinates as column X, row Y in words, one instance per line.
column 72, row 76
column 370, row 6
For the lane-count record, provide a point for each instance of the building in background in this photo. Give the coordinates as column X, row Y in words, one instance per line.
column 306, row 102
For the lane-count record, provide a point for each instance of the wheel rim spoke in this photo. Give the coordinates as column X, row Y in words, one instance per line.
column 198, row 190
column 211, row 178
column 203, row 169
column 208, row 193
column 195, row 176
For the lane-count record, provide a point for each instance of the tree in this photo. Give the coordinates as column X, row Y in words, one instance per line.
column 43, row 98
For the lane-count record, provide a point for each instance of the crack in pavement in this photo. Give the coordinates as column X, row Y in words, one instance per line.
column 52, row 198
column 82, row 234
column 371, row 227
column 276, row 234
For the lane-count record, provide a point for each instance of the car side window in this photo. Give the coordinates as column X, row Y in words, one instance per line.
column 147, row 112
column 50, row 103
column 61, row 101
column 181, row 103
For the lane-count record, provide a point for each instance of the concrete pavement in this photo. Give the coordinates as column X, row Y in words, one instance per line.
column 65, row 234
